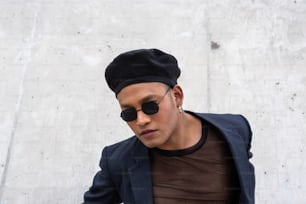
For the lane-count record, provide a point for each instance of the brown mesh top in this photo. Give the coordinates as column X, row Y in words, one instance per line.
column 204, row 173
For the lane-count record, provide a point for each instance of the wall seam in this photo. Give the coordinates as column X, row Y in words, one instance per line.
column 27, row 54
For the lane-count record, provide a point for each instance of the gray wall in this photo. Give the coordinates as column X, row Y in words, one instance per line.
column 57, row 113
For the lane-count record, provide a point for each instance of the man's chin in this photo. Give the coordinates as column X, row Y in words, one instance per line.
column 150, row 144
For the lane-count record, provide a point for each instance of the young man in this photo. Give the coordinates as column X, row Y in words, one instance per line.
column 176, row 156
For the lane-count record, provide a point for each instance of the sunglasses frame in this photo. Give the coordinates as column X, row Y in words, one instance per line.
column 144, row 108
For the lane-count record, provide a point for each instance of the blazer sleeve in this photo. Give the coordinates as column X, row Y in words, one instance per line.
column 249, row 135
column 103, row 190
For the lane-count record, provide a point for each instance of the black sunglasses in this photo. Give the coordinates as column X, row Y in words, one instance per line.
column 149, row 108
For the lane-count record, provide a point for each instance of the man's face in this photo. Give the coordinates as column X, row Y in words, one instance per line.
column 159, row 129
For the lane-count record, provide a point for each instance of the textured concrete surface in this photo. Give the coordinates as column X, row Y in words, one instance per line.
column 57, row 113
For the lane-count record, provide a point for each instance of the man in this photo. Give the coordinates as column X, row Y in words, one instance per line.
column 176, row 156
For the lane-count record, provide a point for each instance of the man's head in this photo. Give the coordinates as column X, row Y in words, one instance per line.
column 143, row 65
column 145, row 84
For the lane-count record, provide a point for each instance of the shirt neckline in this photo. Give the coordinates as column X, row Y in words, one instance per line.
column 189, row 150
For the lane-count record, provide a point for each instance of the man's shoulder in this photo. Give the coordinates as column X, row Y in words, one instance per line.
column 121, row 155
column 226, row 121
column 125, row 149
column 220, row 117
column 124, row 145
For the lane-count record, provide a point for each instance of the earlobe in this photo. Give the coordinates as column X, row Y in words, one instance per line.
column 180, row 109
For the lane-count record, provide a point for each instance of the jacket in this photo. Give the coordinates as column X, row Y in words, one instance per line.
column 125, row 175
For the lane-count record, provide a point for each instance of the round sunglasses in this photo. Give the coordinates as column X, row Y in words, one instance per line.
column 149, row 108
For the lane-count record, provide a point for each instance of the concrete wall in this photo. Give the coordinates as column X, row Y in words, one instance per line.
column 56, row 112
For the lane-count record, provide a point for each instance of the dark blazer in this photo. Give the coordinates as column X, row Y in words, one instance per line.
column 125, row 174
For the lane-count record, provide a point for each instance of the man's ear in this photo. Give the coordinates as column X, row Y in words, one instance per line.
column 178, row 94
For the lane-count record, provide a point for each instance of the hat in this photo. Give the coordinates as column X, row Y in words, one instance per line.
column 143, row 65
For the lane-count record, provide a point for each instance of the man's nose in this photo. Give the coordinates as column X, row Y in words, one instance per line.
column 142, row 118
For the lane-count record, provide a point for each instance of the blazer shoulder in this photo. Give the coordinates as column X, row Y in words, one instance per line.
column 234, row 122
column 123, row 148
column 122, row 154
column 126, row 144
column 224, row 119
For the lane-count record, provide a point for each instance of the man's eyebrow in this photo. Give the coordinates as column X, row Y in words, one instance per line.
column 145, row 99
column 149, row 97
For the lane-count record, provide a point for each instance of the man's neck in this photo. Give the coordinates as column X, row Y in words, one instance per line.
column 189, row 133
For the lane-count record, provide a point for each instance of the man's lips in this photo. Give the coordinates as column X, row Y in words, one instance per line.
column 146, row 132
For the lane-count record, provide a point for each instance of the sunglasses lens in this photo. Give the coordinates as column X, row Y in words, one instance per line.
column 150, row 107
column 129, row 114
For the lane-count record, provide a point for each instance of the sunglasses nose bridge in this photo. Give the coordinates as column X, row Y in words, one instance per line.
column 137, row 110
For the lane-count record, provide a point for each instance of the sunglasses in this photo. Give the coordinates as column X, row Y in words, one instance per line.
column 149, row 108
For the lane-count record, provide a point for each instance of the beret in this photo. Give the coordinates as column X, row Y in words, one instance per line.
column 142, row 65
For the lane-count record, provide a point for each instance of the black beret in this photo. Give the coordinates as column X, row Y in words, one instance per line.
column 143, row 65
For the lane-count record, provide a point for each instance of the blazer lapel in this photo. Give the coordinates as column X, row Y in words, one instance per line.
column 239, row 153
column 140, row 176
